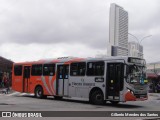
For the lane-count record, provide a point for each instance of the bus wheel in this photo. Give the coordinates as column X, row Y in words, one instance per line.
column 114, row 102
column 97, row 98
column 39, row 92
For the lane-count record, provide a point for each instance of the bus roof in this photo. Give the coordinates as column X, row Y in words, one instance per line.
column 74, row 59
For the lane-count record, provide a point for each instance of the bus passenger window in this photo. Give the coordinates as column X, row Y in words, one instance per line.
column 81, row 68
column 49, row 69
column 95, row 68
column 90, row 68
column 99, row 69
column 78, row 69
column 18, row 70
column 36, row 70
column 74, row 69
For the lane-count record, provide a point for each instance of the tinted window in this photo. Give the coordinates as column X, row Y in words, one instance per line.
column 66, row 72
column 49, row 69
column 95, row 68
column 18, row 70
column 36, row 70
column 63, row 71
column 26, row 72
column 74, row 69
column 78, row 69
column 60, row 72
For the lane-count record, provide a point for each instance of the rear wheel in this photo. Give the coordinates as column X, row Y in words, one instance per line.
column 97, row 98
column 39, row 92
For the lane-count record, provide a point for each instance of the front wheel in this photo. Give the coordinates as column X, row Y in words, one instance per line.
column 97, row 98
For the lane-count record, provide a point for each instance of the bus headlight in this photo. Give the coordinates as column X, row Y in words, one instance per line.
column 130, row 91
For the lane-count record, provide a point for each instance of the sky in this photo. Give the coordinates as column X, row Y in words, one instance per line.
column 40, row 29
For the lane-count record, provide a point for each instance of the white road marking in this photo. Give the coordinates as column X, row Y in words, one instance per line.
column 13, row 93
column 18, row 93
column 23, row 94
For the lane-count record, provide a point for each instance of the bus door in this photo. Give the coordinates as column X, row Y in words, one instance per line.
column 62, row 80
column 114, row 80
column 26, row 78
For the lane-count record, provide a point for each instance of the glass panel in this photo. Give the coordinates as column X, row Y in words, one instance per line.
column 49, row 69
column 36, row 70
column 136, row 74
column 18, row 70
column 95, row 68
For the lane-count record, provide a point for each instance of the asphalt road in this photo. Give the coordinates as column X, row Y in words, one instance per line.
column 27, row 102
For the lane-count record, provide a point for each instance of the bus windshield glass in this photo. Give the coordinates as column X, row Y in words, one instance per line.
column 136, row 74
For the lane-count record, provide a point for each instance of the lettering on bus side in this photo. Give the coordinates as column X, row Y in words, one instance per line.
column 83, row 84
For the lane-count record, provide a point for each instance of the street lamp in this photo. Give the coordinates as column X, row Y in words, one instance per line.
column 139, row 42
column 145, row 37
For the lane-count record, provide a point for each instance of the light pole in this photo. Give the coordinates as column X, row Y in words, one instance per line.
column 139, row 41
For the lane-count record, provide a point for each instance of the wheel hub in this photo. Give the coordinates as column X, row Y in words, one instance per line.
column 39, row 93
column 99, row 97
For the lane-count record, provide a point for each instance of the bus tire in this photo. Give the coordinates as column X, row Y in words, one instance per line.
column 97, row 98
column 39, row 92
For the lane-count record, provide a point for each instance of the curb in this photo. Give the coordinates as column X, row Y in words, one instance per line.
column 154, row 94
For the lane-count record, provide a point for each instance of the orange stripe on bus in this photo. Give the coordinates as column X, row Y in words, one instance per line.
column 130, row 97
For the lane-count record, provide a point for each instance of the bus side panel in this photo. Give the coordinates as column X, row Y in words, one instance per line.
column 44, row 82
column 48, row 84
column 34, row 81
column 17, row 83
column 96, row 82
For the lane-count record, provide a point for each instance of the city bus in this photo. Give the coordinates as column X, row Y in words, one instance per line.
column 114, row 79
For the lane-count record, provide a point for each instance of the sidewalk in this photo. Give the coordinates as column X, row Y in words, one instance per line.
column 4, row 90
column 154, row 94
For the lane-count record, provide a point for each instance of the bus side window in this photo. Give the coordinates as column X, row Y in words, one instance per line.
column 36, row 70
column 78, row 69
column 74, row 69
column 81, row 69
column 60, row 73
column 99, row 69
column 90, row 69
column 95, row 68
column 49, row 69
column 18, row 70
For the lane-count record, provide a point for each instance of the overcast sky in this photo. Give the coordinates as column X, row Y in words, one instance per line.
column 38, row 29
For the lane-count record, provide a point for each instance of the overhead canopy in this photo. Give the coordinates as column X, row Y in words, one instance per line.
column 152, row 75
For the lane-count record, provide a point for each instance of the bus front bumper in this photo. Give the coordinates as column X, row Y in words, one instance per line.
column 135, row 97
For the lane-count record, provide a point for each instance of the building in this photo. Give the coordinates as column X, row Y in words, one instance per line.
column 118, row 32
column 153, row 75
column 5, row 66
column 135, row 49
column 153, row 70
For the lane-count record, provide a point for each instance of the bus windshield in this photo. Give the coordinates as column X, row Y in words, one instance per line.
column 136, row 74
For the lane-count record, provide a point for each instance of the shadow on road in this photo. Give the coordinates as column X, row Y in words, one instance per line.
column 120, row 105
